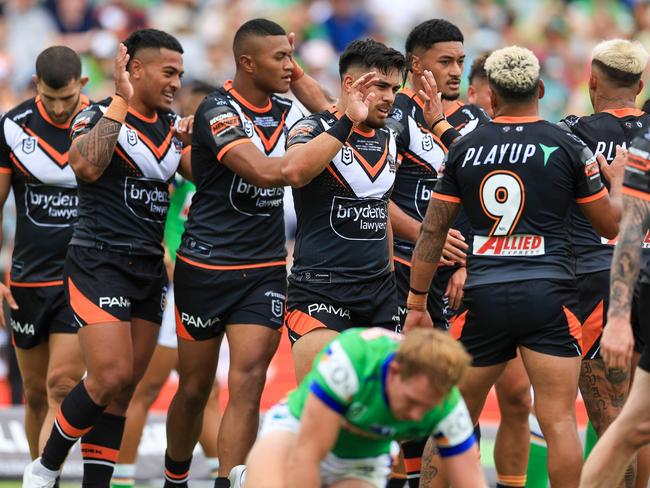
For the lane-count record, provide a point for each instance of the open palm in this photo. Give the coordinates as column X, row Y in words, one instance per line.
column 359, row 98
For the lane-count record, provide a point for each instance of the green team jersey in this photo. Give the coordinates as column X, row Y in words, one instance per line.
column 349, row 376
column 179, row 206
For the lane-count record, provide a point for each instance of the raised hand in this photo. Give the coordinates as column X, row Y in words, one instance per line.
column 359, row 98
column 617, row 343
column 123, row 87
column 417, row 319
column 613, row 172
column 5, row 294
column 183, row 129
column 432, row 109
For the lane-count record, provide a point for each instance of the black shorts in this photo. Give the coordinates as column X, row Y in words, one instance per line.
column 338, row 306
column 207, row 300
column 536, row 314
column 106, row 286
column 436, row 302
column 42, row 310
column 641, row 322
column 593, row 303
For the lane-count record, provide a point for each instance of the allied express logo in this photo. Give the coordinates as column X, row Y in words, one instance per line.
column 514, row 245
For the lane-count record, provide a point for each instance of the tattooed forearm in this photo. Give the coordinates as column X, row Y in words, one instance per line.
column 433, row 233
column 98, row 145
column 627, row 255
column 429, row 470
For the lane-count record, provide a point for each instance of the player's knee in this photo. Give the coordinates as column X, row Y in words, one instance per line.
column 35, row 396
column 146, row 394
column 517, row 404
column 249, row 383
column 59, row 385
column 194, row 393
column 111, row 381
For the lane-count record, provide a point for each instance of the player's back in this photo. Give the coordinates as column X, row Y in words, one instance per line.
column 517, row 178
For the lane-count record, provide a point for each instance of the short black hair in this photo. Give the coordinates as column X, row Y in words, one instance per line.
column 617, row 77
column 150, row 38
column 478, row 69
column 429, row 32
column 57, row 66
column 369, row 54
column 255, row 28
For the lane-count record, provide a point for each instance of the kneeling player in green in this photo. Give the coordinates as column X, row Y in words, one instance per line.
column 367, row 389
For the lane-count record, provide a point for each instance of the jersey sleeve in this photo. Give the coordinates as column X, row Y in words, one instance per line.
column 304, row 131
column 85, row 121
column 219, row 126
column 454, row 433
column 335, row 379
column 447, row 188
column 588, row 185
column 636, row 182
column 5, row 150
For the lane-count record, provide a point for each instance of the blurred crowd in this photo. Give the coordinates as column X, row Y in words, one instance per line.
column 561, row 32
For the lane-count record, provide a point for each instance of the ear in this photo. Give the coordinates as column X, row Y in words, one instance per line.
column 471, row 94
column 83, row 81
column 640, row 88
column 35, row 79
column 136, row 69
column 541, row 89
column 347, row 82
column 593, row 81
column 494, row 102
column 416, row 65
column 246, row 63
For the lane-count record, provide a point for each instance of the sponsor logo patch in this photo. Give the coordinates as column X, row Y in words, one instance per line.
column 514, row 245
column 48, row 206
column 359, row 219
column 423, row 191
column 198, row 322
column 224, row 122
column 109, row 302
column 20, row 328
column 146, row 198
column 249, row 199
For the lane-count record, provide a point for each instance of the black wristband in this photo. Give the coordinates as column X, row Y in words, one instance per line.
column 449, row 136
column 417, row 292
column 437, row 122
column 341, row 130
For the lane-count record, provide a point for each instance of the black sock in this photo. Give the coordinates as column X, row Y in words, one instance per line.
column 176, row 472
column 221, row 483
column 75, row 418
column 413, row 460
column 99, row 449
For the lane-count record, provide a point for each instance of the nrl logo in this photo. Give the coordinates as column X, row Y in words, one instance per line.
column 277, row 307
column 131, row 137
column 248, row 128
column 346, row 155
column 29, row 145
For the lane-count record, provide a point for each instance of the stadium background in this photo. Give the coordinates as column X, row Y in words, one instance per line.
column 561, row 33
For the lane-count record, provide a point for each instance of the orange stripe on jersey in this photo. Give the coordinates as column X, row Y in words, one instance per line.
column 403, row 261
column 624, row 112
column 44, row 114
column 125, row 157
column 68, row 429
column 229, row 88
column 631, row 192
column 592, row 198
column 516, row 120
column 36, row 284
column 637, row 162
column 417, row 161
column 60, row 158
column 95, row 451
column 457, row 325
column 220, row 267
column 231, row 145
column 575, row 329
column 592, row 327
column 181, row 331
column 379, row 165
column 159, row 151
column 186, row 149
column 144, row 118
column 445, row 198
column 87, row 310
column 455, row 107
column 14, row 159
column 270, row 143
column 5, row 171
column 302, row 323
column 331, row 170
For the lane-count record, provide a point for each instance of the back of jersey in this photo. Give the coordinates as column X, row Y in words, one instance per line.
column 602, row 132
column 516, row 178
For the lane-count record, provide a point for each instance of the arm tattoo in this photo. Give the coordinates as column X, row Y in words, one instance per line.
column 97, row 146
column 433, row 233
column 627, row 255
column 429, row 470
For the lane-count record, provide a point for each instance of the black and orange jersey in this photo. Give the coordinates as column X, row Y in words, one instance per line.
column 34, row 150
column 231, row 221
column 636, row 182
column 342, row 214
column 601, row 132
column 126, row 207
column 421, row 155
column 516, row 178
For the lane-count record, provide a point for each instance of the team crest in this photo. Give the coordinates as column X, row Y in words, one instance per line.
column 277, row 307
column 29, row 145
column 392, row 167
column 131, row 137
column 397, row 113
column 427, row 142
column 178, row 145
column 248, row 128
column 346, row 155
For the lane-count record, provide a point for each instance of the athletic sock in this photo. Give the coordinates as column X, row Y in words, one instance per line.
column 511, row 481
column 123, row 476
column 176, row 472
column 99, row 449
column 76, row 417
column 413, row 460
column 222, row 483
column 213, row 466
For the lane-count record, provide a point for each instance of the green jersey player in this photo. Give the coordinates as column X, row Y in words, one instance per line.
column 367, row 389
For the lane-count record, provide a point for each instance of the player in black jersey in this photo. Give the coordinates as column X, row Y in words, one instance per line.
column 34, row 147
column 608, row 462
column 230, row 274
column 341, row 276
column 124, row 153
column 615, row 81
column 516, row 177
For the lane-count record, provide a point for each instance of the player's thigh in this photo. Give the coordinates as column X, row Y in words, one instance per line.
column 251, row 346
column 107, row 347
column 66, row 363
column 266, row 464
column 197, row 364
column 476, row 385
column 307, row 348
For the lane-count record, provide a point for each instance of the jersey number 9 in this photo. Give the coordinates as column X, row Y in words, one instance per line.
column 502, row 198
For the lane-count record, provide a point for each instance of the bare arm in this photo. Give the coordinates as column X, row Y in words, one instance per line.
column 404, row 226
column 91, row 153
column 5, row 292
column 464, row 470
column 185, row 166
column 319, row 429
